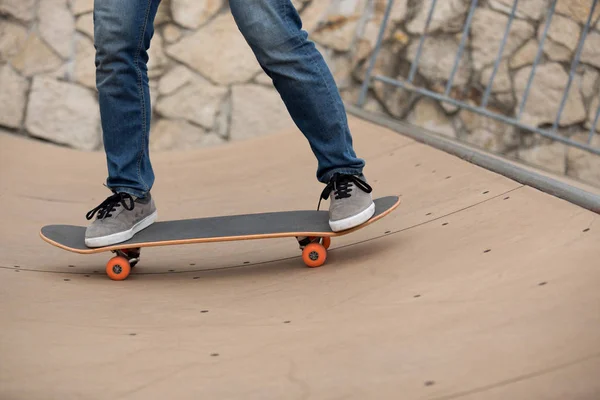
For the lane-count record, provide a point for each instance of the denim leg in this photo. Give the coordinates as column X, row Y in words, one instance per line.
column 122, row 33
column 273, row 30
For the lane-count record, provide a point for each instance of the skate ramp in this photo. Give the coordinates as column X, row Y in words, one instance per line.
column 476, row 287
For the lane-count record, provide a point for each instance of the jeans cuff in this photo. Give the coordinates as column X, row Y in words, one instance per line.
column 133, row 192
column 350, row 171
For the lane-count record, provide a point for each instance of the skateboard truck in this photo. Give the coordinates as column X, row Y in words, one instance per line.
column 132, row 255
column 304, row 241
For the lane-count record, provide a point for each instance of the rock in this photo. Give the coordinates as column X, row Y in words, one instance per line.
column 20, row 9
column 63, row 113
column 401, row 37
column 488, row 133
column 169, row 134
column 464, row 94
column 212, row 139
column 337, row 33
column 157, row 59
column 351, row 95
column 12, row 39
column 13, row 97
column 35, row 57
column 153, row 88
column 299, row 4
column 525, row 55
column 263, row 79
column 396, row 101
column 399, row 10
column 582, row 164
column 223, row 117
column 427, row 114
column 347, row 7
column 257, row 111
column 171, row 33
column 79, row 7
column 506, row 100
column 362, row 50
column 502, row 81
column 63, row 73
column 577, row 10
column 175, row 79
column 593, row 109
column 359, row 56
column 338, row 26
column 56, row 26
column 193, row 13
column 591, row 49
column 557, row 52
column 589, row 82
column 85, row 67
column 563, row 31
column 341, row 68
column 530, row 9
column 163, row 14
column 488, row 140
column 230, row 60
column 437, row 60
column 376, row 11
column 85, row 24
column 550, row 156
column 487, row 31
column 312, row 14
column 545, row 96
column 448, row 16
column 197, row 101
column 366, row 40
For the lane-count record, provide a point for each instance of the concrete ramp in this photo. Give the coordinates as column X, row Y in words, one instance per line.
column 476, row 287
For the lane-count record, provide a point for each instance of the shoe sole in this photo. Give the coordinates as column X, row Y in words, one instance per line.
column 353, row 221
column 119, row 237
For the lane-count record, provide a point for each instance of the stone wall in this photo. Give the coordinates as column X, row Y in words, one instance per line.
column 217, row 92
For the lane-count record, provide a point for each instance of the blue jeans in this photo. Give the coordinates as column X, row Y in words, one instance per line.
column 123, row 30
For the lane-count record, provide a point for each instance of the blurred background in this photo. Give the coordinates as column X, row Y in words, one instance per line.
column 516, row 78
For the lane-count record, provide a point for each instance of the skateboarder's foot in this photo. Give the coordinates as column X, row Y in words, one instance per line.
column 351, row 202
column 119, row 217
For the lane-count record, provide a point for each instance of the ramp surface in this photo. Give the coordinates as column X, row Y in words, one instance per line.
column 476, row 287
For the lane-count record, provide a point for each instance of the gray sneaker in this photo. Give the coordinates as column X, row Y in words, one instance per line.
column 120, row 217
column 351, row 202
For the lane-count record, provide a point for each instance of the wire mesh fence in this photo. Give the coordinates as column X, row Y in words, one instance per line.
column 514, row 116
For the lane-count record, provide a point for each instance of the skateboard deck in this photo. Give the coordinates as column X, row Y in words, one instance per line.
column 281, row 224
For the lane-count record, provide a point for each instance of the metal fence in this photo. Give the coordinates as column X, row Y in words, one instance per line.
column 408, row 82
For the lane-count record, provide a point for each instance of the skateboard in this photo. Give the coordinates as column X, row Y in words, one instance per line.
column 310, row 228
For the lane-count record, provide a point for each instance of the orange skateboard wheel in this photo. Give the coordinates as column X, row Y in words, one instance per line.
column 314, row 255
column 118, row 268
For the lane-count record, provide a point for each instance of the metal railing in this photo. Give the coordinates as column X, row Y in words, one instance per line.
column 408, row 83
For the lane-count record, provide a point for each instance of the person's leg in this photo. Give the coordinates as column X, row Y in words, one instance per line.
column 273, row 30
column 122, row 34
